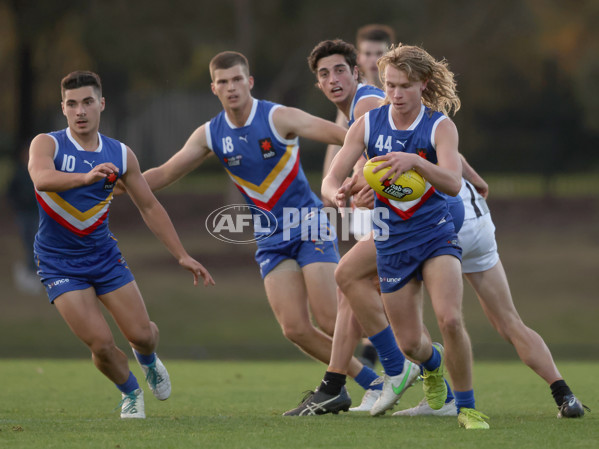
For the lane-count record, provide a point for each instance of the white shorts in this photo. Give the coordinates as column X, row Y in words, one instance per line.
column 479, row 248
column 361, row 222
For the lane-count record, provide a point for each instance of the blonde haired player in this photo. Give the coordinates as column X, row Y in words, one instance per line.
column 412, row 132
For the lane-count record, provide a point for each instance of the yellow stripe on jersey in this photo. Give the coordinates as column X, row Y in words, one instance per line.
column 271, row 176
column 76, row 213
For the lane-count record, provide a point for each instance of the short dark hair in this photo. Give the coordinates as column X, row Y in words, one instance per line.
column 81, row 78
column 333, row 47
column 375, row 32
column 226, row 60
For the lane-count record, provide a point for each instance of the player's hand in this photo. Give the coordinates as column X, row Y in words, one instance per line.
column 397, row 161
column 344, row 192
column 189, row 263
column 360, row 183
column 101, row 171
column 481, row 187
column 364, row 198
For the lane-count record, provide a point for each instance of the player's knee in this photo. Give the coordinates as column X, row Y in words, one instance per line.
column 144, row 337
column 103, row 349
column 513, row 330
column 343, row 277
column 451, row 324
column 296, row 332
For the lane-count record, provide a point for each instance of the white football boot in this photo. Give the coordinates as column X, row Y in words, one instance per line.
column 423, row 409
column 157, row 378
column 132, row 405
column 394, row 387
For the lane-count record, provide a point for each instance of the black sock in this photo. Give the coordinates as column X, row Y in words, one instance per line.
column 559, row 389
column 332, row 383
column 369, row 353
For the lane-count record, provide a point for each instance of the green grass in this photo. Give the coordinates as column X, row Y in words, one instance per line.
column 68, row 404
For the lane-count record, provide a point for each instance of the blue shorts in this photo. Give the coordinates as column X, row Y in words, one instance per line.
column 105, row 271
column 396, row 270
column 304, row 252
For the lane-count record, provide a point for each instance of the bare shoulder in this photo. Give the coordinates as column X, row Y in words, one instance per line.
column 43, row 141
column 447, row 124
column 367, row 104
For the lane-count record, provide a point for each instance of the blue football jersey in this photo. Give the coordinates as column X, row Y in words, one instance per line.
column 363, row 91
column 264, row 166
column 409, row 223
column 75, row 221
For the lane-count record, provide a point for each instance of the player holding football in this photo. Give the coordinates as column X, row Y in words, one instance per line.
column 334, row 62
column 257, row 143
column 74, row 172
column 422, row 243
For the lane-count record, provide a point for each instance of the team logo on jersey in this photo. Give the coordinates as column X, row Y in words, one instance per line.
column 91, row 164
column 421, row 152
column 233, row 161
column 110, row 181
column 267, row 149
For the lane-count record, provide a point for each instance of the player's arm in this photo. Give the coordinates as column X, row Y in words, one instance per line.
column 194, row 152
column 335, row 190
column 292, row 122
column 446, row 175
column 157, row 219
column 46, row 178
column 362, row 196
column 474, row 178
column 332, row 150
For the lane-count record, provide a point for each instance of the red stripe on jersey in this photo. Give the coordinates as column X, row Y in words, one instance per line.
column 66, row 224
column 279, row 192
column 407, row 214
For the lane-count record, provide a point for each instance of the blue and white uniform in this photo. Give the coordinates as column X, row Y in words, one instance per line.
column 363, row 91
column 361, row 223
column 414, row 230
column 74, row 248
column 266, row 169
column 477, row 236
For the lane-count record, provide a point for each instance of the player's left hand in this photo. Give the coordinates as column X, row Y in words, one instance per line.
column 189, row 263
column 481, row 187
column 364, row 198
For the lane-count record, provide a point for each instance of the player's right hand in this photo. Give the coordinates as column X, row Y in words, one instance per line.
column 100, row 172
column 198, row 270
column 344, row 192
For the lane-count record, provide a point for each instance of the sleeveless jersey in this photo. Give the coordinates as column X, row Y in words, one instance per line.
column 363, row 91
column 410, row 223
column 264, row 166
column 75, row 221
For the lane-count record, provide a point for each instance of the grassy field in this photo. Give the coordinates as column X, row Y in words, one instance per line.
column 228, row 393
column 68, row 404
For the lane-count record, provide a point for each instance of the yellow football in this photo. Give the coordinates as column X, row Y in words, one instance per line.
column 409, row 186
